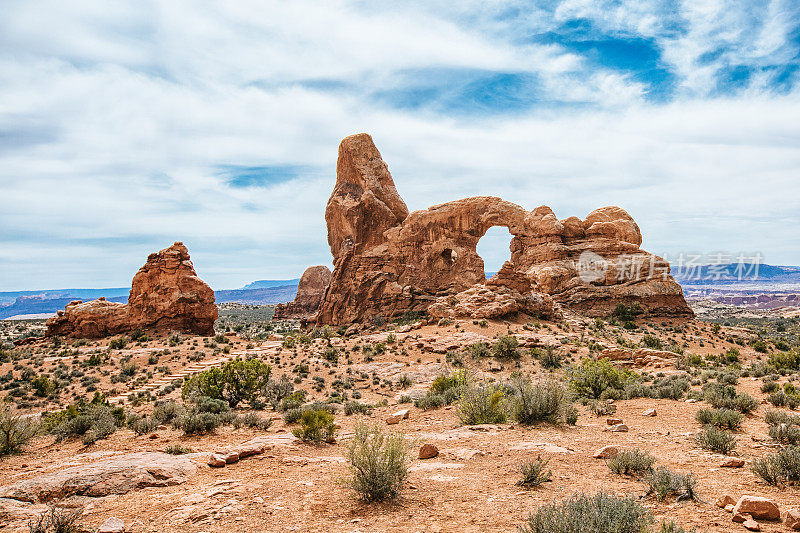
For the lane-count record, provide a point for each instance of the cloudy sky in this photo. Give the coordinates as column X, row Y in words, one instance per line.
column 127, row 126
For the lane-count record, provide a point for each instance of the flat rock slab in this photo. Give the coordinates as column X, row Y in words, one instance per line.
column 116, row 475
column 430, row 466
column 540, row 447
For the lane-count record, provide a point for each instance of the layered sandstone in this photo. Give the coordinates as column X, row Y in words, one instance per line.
column 388, row 261
column 310, row 291
column 166, row 295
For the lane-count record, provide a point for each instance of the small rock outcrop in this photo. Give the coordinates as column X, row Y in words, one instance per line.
column 166, row 295
column 310, row 292
column 388, row 261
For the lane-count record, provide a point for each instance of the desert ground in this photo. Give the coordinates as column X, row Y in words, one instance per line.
column 471, row 485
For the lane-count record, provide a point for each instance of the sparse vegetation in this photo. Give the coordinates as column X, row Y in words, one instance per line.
column 534, row 473
column 631, row 462
column 600, row 513
column 377, row 462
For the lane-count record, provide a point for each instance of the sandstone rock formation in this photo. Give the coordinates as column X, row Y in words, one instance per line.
column 310, row 291
column 387, row 261
column 166, row 295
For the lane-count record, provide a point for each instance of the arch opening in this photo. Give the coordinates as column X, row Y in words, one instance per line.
column 495, row 249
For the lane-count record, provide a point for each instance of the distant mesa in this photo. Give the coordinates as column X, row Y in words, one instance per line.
column 310, row 292
column 166, row 295
column 388, row 261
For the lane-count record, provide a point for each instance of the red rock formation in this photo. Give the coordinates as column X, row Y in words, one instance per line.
column 387, row 261
column 310, row 291
column 166, row 295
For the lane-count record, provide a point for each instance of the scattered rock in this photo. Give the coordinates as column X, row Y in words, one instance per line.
column 739, row 517
column 725, row 500
column 650, row 412
column 428, row 451
column 606, row 452
column 732, row 462
column 758, row 507
column 751, row 525
column 112, row 525
column 617, row 428
column 613, row 421
column 216, row 460
column 395, row 418
column 792, row 519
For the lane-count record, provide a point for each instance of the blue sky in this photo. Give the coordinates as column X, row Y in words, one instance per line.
column 124, row 128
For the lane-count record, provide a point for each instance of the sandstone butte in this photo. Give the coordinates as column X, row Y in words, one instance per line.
column 310, row 291
column 166, row 295
column 388, row 261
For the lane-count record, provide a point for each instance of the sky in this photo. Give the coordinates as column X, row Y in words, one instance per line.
column 126, row 126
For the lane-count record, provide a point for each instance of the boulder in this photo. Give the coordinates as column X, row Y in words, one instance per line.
column 724, row 501
column 388, row 261
column 395, row 418
column 428, row 451
column 310, row 291
column 650, row 412
column 606, row 452
column 757, row 507
column 112, row 525
column 166, row 295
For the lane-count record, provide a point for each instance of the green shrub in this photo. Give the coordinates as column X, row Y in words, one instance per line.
column 377, row 462
column 534, row 473
column 353, row 407
column 539, row 402
column 482, row 404
column 652, row 342
column 632, row 462
column 478, row 350
column 253, row 420
column 548, row 357
column 727, row 397
column 662, row 482
column 601, row 513
column 43, row 386
column 165, row 412
column 141, row 425
column 177, row 449
column 445, row 382
column 624, row 313
column 118, row 343
column 721, row 418
column 783, row 466
column 197, row 422
column 506, row 347
column 92, row 421
column 715, row 439
column 316, row 425
column 15, row 430
column 599, row 379
column 292, row 416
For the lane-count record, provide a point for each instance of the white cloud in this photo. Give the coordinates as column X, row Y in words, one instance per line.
column 113, row 124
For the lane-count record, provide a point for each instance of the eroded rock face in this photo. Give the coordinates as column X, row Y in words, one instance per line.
column 310, row 291
column 387, row 261
column 166, row 295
